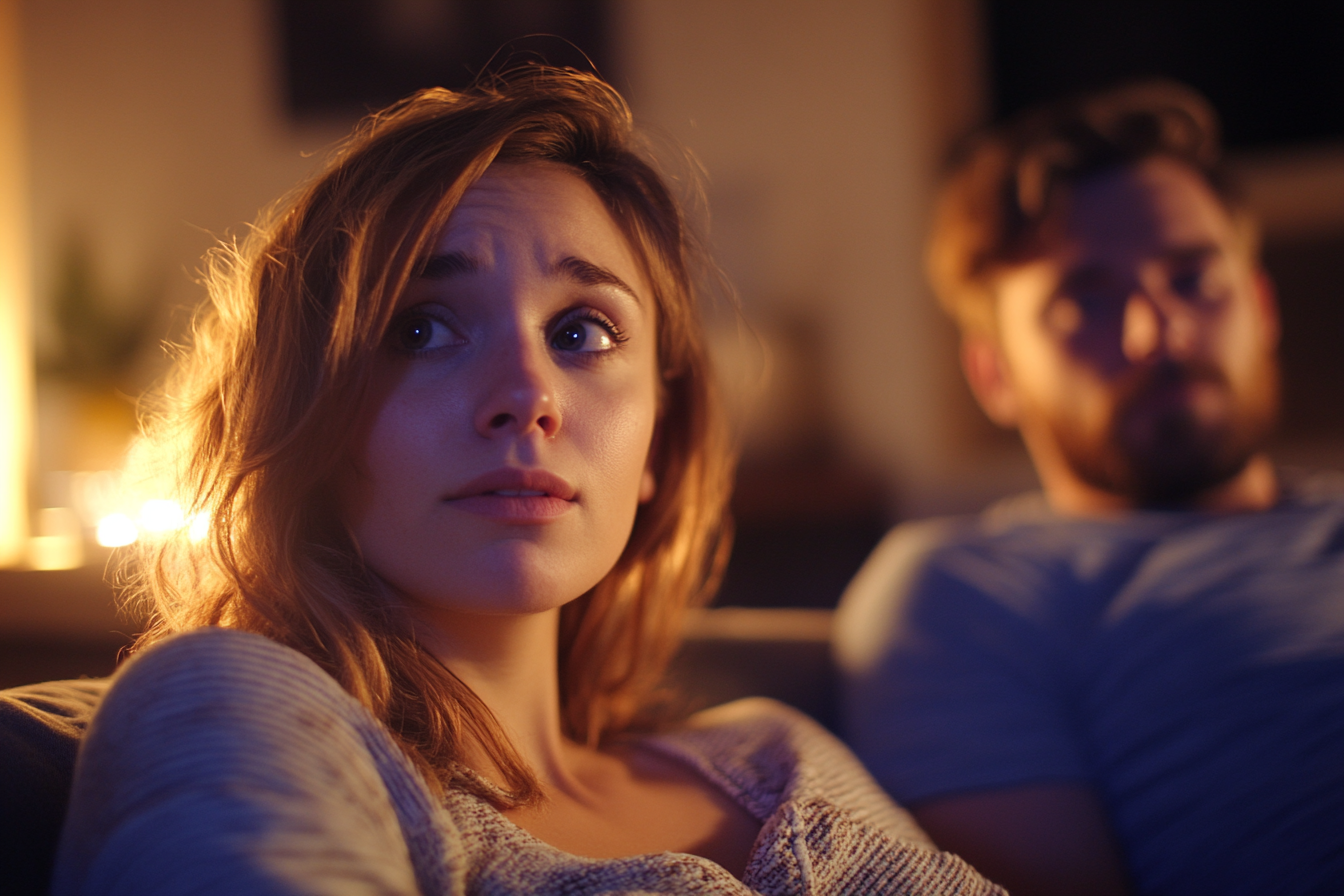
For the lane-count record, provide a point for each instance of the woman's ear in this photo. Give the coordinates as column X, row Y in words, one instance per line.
column 987, row 373
column 648, row 483
column 648, row 486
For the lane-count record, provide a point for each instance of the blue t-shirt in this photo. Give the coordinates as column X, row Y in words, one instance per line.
column 1188, row 666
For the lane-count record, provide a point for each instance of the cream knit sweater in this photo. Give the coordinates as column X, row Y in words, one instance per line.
column 223, row 763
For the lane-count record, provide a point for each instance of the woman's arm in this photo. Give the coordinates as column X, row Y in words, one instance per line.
column 221, row 762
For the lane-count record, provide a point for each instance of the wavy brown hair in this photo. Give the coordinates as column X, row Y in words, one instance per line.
column 255, row 421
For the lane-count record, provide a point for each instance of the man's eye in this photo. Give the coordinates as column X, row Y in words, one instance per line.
column 585, row 335
column 1187, row 282
column 1086, row 308
column 422, row 332
column 1197, row 284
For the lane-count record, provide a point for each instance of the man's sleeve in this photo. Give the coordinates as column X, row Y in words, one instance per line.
column 954, row 678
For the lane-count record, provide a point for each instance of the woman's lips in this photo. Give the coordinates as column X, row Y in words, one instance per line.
column 515, row 495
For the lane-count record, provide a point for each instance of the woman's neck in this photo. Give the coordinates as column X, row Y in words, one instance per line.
column 511, row 663
column 599, row 803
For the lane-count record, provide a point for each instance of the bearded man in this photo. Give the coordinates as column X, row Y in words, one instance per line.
column 1132, row 681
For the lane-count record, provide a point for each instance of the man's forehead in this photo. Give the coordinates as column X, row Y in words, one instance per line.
column 1109, row 224
column 1156, row 208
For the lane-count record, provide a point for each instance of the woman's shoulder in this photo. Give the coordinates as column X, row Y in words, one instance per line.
column 216, row 644
column 230, row 672
column 765, row 753
column 215, row 656
column 759, row 731
column 242, row 755
column 771, row 733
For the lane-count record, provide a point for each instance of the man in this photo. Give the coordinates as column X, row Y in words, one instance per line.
column 1133, row 681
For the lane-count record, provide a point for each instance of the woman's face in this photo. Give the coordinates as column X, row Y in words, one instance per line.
column 504, row 449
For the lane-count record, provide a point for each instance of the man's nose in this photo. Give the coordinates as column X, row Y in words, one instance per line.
column 1157, row 324
column 519, row 397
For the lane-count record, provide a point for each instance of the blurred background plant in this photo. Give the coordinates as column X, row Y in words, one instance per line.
column 100, row 333
column 95, row 358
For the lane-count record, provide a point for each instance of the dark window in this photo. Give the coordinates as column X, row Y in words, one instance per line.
column 1309, row 273
column 345, row 57
column 1273, row 68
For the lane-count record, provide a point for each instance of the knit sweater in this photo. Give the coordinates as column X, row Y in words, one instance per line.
column 223, row 762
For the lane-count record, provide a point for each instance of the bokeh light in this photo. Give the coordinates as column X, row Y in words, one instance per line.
column 161, row 515
column 116, row 530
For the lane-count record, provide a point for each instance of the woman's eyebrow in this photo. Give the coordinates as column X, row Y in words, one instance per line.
column 444, row 265
column 447, row 264
column 589, row 274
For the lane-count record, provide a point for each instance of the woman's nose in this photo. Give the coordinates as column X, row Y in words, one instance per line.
column 520, row 396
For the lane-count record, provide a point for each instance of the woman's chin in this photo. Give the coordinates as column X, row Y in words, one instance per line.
column 508, row 591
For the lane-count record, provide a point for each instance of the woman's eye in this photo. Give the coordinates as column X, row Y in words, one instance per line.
column 585, row 335
column 422, row 332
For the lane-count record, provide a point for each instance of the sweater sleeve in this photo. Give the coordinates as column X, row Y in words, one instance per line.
column 222, row 762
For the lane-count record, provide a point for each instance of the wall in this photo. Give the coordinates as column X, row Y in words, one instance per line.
column 822, row 126
column 155, row 126
column 15, row 347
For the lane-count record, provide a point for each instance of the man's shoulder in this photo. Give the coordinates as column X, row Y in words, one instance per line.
column 951, row 569
column 1008, row 538
column 1303, row 487
column 1016, row 565
column 1019, row 525
column 1022, row 531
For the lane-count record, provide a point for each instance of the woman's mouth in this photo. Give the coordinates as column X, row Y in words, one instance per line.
column 513, row 495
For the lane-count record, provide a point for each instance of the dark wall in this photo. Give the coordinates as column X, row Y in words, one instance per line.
column 1273, row 68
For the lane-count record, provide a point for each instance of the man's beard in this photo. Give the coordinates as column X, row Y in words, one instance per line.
column 1166, row 456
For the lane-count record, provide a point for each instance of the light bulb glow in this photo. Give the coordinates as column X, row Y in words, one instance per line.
column 161, row 515
column 116, row 530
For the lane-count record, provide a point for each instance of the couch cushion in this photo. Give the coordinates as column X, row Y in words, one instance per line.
column 40, row 729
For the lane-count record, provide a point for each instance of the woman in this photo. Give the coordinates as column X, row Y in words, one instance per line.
column 452, row 420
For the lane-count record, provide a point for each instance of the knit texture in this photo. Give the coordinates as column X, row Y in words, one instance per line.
column 222, row 762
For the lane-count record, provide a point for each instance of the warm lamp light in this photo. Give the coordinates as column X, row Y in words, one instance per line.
column 116, row 530
column 157, row 517
column 161, row 515
column 59, row 542
column 16, row 355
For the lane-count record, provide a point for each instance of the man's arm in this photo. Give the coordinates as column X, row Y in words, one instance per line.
column 1036, row 840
